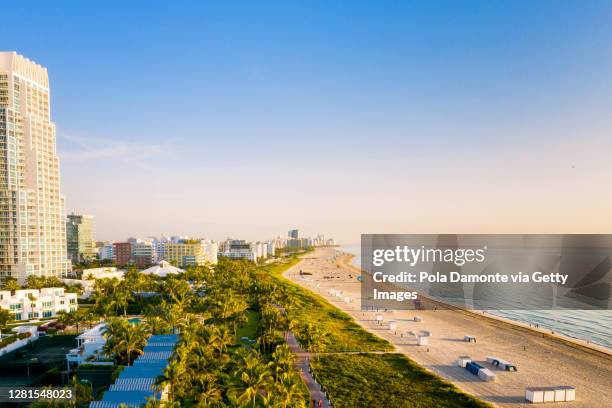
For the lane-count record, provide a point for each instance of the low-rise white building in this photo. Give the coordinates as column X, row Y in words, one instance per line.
column 108, row 272
column 28, row 304
column 89, row 347
column 162, row 269
column 89, row 276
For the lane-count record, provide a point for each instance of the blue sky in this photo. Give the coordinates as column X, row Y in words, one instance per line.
column 247, row 118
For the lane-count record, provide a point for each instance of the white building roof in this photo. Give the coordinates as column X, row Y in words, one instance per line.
column 96, row 331
column 163, row 269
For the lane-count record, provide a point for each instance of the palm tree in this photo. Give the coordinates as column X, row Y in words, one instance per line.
column 124, row 339
column 316, row 338
column 179, row 292
column 283, row 360
column 11, row 285
column 134, row 340
column 35, row 282
column 252, row 377
column 122, row 295
column 81, row 316
column 5, row 317
column 65, row 318
column 90, row 316
column 288, row 390
column 209, row 392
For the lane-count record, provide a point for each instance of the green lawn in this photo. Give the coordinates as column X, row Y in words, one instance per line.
column 345, row 333
column 385, row 380
column 249, row 329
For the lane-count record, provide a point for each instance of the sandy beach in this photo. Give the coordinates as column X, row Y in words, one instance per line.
column 541, row 359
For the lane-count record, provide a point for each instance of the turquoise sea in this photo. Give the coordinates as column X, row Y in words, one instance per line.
column 592, row 325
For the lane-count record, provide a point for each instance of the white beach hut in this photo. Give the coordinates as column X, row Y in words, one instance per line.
column 486, row 374
column 463, row 360
column 392, row 325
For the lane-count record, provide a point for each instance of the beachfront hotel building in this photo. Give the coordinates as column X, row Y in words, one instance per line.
column 28, row 304
column 81, row 238
column 239, row 249
column 32, row 216
column 190, row 253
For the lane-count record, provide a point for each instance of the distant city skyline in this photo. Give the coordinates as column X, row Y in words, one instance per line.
column 213, row 120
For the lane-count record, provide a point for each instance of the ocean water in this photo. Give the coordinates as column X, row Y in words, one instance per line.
column 591, row 325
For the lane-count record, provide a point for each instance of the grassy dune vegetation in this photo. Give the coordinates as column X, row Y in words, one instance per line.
column 341, row 331
column 364, row 379
column 385, row 380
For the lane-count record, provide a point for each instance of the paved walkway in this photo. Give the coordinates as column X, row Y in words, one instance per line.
column 301, row 363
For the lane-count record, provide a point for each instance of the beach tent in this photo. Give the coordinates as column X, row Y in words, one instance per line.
column 486, row 374
column 463, row 360
column 417, row 319
column 392, row 325
column 422, row 341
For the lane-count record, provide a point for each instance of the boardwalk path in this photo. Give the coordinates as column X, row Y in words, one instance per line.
column 301, row 364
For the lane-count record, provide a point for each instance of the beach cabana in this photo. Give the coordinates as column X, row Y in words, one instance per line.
column 503, row 364
column 469, row 338
column 486, row 374
column 392, row 325
column 569, row 393
column 422, row 340
column 561, row 393
column 463, row 360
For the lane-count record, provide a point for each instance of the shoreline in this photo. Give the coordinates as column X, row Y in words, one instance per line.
column 515, row 323
column 542, row 359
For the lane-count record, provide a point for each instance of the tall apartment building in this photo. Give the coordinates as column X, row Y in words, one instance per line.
column 122, row 253
column 32, row 216
column 80, row 238
column 293, row 234
column 144, row 253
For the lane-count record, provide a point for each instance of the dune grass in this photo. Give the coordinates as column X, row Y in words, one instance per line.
column 362, row 379
column 344, row 333
column 386, row 380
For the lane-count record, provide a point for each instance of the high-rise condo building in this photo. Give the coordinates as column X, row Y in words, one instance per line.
column 32, row 218
column 81, row 238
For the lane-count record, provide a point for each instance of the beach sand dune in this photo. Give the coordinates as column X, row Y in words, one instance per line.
column 541, row 359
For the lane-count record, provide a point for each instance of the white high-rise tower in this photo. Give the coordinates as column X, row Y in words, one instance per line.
column 32, row 217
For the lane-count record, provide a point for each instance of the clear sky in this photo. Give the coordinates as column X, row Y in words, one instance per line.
column 244, row 119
